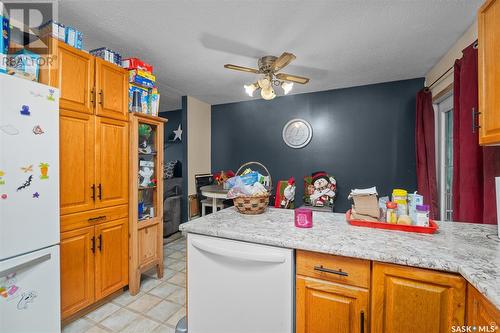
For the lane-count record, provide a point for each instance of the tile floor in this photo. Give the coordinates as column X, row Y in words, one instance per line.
column 156, row 308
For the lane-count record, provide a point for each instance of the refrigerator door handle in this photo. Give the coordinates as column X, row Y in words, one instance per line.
column 25, row 265
column 238, row 255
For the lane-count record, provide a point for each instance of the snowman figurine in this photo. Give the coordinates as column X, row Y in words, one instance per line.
column 146, row 173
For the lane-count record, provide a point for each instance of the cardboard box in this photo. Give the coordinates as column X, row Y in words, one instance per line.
column 136, row 63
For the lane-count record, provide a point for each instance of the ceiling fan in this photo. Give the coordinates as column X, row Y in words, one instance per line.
column 269, row 66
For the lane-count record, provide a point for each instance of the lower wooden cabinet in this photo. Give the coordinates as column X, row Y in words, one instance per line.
column 323, row 307
column 408, row 299
column 112, row 257
column 480, row 312
column 77, row 270
column 94, row 264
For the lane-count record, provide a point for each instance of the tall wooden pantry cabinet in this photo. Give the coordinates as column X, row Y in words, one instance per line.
column 94, row 148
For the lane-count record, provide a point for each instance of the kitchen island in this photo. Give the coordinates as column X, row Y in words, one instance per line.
column 471, row 250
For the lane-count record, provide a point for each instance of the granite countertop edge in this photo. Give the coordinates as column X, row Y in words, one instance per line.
column 451, row 249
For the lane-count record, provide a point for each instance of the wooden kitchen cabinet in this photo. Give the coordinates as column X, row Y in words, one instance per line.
column 489, row 72
column 111, row 162
column 408, row 299
column 75, row 78
column 323, row 307
column 77, row 270
column 111, row 86
column 480, row 312
column 332, row 293
column 111, row 271
column 94, row 179
column 76, row 133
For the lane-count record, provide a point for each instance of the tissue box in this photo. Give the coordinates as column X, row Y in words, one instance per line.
column 24, row 64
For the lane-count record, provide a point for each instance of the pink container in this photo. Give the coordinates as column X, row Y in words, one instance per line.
column 303, row 218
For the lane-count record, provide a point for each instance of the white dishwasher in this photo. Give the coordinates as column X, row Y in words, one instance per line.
column 238, row 287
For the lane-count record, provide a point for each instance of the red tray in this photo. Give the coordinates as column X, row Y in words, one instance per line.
column 432, row 228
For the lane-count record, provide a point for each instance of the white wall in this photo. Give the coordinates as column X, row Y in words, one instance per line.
column 199, row 141
column 447, row 61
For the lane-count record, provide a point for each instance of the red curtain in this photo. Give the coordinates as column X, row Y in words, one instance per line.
column 425, row 147
column 474, row 167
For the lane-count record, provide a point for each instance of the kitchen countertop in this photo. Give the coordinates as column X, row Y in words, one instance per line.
column 473, row 250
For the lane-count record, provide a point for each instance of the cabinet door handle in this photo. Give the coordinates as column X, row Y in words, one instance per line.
column 100, row 191
column 362, row 321
column 92, row 97
column 93, row 191
column 331, row 271
column 474, row 123
column 99, row 245
column 98, row 218
column 92, row 246
column 101, row 96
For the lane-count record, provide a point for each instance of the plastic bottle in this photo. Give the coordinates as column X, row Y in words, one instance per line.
column 422, row 215
column 391, row 215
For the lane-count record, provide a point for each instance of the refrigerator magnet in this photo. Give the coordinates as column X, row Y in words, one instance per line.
column 4, row 196
column 26, row 184
column 27, row 169
column 2, row 181
column 37, row 130
column 44, row 170
column 50, row 96
column 36, row 195
column 26, row 298
column 9, row 129
column 25, row 110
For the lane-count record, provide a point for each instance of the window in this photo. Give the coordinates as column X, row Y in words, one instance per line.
column 444, row 145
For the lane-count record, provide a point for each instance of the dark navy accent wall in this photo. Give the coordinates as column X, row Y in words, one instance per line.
column 173, row 150
column 363, row 136
column 184, row 203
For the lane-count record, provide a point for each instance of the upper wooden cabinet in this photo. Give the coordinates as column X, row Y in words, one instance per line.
column 88, row 84
column 75, row 79
column 111, row 86
column 480, row 312
column 489, row 72
column 407, row 299
column 111, row 162
column 77, row 149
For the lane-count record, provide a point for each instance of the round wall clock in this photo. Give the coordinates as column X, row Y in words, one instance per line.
column 297, row 133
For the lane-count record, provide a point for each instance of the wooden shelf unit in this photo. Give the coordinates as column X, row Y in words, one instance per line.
column 145, row 235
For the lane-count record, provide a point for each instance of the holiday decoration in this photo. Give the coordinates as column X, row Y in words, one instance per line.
column 26, row 184
column 146, row 173
column 25, row 110
column 320, row 189
column 37, row 130
column 285, row 194
column 178, row 133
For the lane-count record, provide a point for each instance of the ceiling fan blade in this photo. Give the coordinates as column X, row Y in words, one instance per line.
column 283, row 60
column 292, row 78
column 241, row 68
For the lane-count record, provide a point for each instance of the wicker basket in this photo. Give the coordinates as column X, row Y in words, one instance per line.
column 253, row 205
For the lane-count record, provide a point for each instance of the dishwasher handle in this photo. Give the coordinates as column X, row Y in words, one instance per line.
column 238, row 255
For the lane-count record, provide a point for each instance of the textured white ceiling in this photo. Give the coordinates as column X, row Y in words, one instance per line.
column 337, row 43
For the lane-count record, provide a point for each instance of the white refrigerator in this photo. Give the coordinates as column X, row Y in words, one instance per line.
column 29, row 207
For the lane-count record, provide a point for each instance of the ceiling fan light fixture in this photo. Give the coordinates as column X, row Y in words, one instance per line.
column 268, row 93
column 264, row 83
column 287, row 87
column 250, row 88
